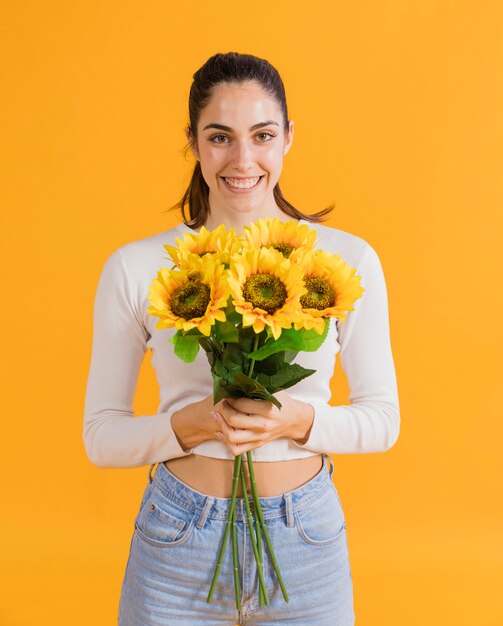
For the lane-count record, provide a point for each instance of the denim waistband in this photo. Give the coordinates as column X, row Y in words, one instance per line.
column 212, row 507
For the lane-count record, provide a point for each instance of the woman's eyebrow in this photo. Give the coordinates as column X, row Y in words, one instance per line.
column 254, row 127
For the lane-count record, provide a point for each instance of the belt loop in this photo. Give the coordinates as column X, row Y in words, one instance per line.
column 206, row 509
column 289, row 509
column 331, row 463
column 150, row 479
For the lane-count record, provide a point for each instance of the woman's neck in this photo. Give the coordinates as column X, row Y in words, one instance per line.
column 239, row 220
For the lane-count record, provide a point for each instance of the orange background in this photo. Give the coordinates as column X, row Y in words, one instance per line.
column 398, row 111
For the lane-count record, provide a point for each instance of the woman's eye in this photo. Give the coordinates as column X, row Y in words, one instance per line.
column 265, row 136
column 218, row 138
column 261, row 137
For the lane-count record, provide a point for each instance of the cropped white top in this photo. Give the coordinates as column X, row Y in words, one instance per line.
column 123, row 331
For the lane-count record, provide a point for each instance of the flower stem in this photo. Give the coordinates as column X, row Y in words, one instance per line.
column 252, row 361
column 235, row 560
column 235, row 479
column 262, row 523
column 217, row 343
column 252, row 537
column 259, row 550
column 256, row 502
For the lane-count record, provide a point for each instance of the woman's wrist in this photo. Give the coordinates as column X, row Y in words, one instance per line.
column 303, row 423
column 302, row 440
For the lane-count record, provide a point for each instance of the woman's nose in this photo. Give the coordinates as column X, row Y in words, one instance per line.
column 243, row 159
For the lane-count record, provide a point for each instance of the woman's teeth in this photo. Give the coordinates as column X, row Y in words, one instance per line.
column 242, row 183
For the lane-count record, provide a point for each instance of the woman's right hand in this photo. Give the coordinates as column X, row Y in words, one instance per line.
column 194, row 424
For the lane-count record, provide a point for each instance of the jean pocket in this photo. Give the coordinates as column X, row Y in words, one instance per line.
column 323, row 522
column 162, row 523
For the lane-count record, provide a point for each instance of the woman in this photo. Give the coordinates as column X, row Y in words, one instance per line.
column 239, row 133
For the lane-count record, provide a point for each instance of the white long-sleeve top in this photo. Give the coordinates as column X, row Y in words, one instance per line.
column 124, row 331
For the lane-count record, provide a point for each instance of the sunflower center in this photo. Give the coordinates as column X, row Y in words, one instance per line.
column 190, row 300
column 320, row 294
column 265, row 292
column 285, row 248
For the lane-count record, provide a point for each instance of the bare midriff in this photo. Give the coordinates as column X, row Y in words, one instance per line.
column 214, row 476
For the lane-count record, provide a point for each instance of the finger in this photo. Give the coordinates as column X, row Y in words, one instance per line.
column 237, row 435
column 243, row 448
column 250, row 423
column 237, row 419
column 248, row 405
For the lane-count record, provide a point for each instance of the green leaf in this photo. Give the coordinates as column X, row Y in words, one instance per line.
column 292, row 340
column 221, row 371
column 243, row 387
column 290, row 355
column 186, row 345
column 271, row 364
column 226, row 332
column 247, row 338
column 287, row 377
column 219, row 391
column 231, row 315
column 235, row 359
column 312, row 339
column 206, row 344
column 234, row 317
column 174, row 339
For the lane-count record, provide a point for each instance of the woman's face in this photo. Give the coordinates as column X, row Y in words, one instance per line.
column 241, row 143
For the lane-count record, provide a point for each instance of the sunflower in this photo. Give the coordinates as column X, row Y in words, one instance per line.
column 286, row 237
column 266, row 289
column 192, row 297
column 220, row 241
column 332, row 288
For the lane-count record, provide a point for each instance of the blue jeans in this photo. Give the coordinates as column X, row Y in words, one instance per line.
column 177, row 536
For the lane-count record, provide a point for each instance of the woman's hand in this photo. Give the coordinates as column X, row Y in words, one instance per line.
column 193, row 424
column 244, row 424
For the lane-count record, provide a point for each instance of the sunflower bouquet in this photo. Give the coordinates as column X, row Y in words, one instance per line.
column 251, row 302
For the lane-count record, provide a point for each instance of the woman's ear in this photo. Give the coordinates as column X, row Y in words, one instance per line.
column 192, row 142
column 288, row 137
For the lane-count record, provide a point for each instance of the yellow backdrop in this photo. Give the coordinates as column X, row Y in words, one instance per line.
column 398, row 111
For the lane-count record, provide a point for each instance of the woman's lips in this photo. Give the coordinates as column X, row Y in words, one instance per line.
column 242, row 184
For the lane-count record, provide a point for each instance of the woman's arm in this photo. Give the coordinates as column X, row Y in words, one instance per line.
column 112, row 436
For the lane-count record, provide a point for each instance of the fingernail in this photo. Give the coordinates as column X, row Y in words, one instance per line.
column 214, row 415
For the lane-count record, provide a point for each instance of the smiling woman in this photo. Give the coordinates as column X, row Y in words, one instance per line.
column 241, row 166
column 239, row 132
column 243, row 98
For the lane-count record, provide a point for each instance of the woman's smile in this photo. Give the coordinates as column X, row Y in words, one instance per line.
column 242, row 184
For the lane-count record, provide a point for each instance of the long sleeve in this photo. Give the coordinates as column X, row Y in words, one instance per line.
column 112, row 436
column 371, row 423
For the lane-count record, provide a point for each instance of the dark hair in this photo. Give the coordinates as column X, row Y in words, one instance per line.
column 232, row 67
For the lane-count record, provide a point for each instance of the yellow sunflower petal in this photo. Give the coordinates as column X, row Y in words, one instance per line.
column 266, row 289
column 286, row 237
column 219, row 241
column 329, row 271
column 204, row 285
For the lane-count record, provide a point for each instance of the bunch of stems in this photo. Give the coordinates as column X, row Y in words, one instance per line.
column 255, row 527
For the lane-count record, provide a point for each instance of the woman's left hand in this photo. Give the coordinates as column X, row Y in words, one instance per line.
column 246, row 424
